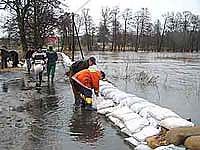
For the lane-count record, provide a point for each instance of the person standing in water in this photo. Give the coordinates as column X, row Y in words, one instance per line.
column 52, row 57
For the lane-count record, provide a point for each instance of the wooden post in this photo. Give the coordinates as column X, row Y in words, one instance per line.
column 73, row 38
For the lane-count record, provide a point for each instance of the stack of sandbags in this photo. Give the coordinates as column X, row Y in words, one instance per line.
column 178, row 136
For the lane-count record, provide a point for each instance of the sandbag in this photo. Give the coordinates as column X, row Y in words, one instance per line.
column 192, row 143
column 132, row 141
column 135, row 125
column 103, row 104
column 130, row 100
column 142, row 147
column 170, row 147
column 116, row 122
column 175, row 122
column 156, row 141
column 105, row 111
column 177, row 136
column 137, row 107
column 146, row 132
column 37, row 68
column 160, row 113
column 120, row 111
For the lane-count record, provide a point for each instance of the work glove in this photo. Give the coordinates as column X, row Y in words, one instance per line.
column 96, row 93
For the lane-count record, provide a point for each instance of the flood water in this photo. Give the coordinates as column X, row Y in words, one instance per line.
column 44, row 119
column 176, row 76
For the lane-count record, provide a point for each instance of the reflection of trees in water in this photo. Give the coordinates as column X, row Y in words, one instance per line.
column 85, row 126
column 43, row 108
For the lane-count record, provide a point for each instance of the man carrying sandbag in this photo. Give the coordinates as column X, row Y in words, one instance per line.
column 39, row 61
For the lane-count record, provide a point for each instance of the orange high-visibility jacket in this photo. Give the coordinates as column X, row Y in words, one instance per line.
column 88, row 78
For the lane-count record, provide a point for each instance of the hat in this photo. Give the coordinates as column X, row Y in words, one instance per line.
column 93, row 60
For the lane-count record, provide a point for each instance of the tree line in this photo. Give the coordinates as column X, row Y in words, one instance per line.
column 31, row 21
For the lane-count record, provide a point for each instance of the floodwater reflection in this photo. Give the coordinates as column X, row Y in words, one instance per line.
column 85, row 126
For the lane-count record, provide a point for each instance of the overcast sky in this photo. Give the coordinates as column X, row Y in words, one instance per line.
column 156, row 7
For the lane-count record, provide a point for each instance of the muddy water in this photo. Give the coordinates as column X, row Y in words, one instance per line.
column 44, row 119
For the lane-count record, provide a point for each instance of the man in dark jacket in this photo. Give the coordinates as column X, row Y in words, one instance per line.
column 4, row 57
column 76, row 67
column 52, row 57
column 28, row 58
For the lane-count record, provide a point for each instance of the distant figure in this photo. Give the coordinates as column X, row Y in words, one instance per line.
column 28, row 58
column 39, row 61
column 52, row 57
column 14, row 58
column 76, row 67
column 4, row 57
column 84, row 81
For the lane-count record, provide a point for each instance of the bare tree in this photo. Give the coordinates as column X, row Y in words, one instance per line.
column 104, row 26
column 115, row 26
column 20, row 10
column 127, row 16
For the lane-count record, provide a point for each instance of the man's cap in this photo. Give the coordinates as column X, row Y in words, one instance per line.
column 93, row 60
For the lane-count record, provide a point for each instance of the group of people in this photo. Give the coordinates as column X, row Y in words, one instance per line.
column 36, row 61
column 84, row 78
column 84, row 75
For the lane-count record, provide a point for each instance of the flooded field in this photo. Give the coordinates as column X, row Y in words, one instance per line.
column 44, row 119
column 170, row 80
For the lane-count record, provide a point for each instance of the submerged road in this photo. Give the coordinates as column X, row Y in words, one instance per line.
column 44, row 119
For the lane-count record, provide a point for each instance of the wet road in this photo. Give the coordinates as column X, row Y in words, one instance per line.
column 44, row 119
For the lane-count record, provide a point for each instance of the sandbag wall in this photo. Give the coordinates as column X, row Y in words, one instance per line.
column 134, row 116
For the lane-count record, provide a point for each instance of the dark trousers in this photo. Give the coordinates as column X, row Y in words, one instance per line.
column 78, row 89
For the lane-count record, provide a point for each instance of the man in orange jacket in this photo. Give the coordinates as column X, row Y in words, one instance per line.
column 85, row 81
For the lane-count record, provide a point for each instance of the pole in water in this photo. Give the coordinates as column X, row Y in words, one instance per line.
column 73, row 38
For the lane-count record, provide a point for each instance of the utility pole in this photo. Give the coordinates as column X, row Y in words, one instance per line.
column 73, row 38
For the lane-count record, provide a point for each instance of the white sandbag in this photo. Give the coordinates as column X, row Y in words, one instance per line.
column 153, row 122
column 104, row 83
column 137, row 107
column 160, row 113
column 118, row 97
column 128, row 116
column 170, row 147
column 126, row 132
column 111, row 93
column 120, row 111
column 116, row 122
column 142, row 147
column 66, row 59
column 132, row 141
column 146, row 132
column 170, row 123
column 105, row 90
column 37, row 68
column 135, row 125
column 145, row 112
column 106, row 110
column 104, row 104
column 108, row 91
column 130, row 100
